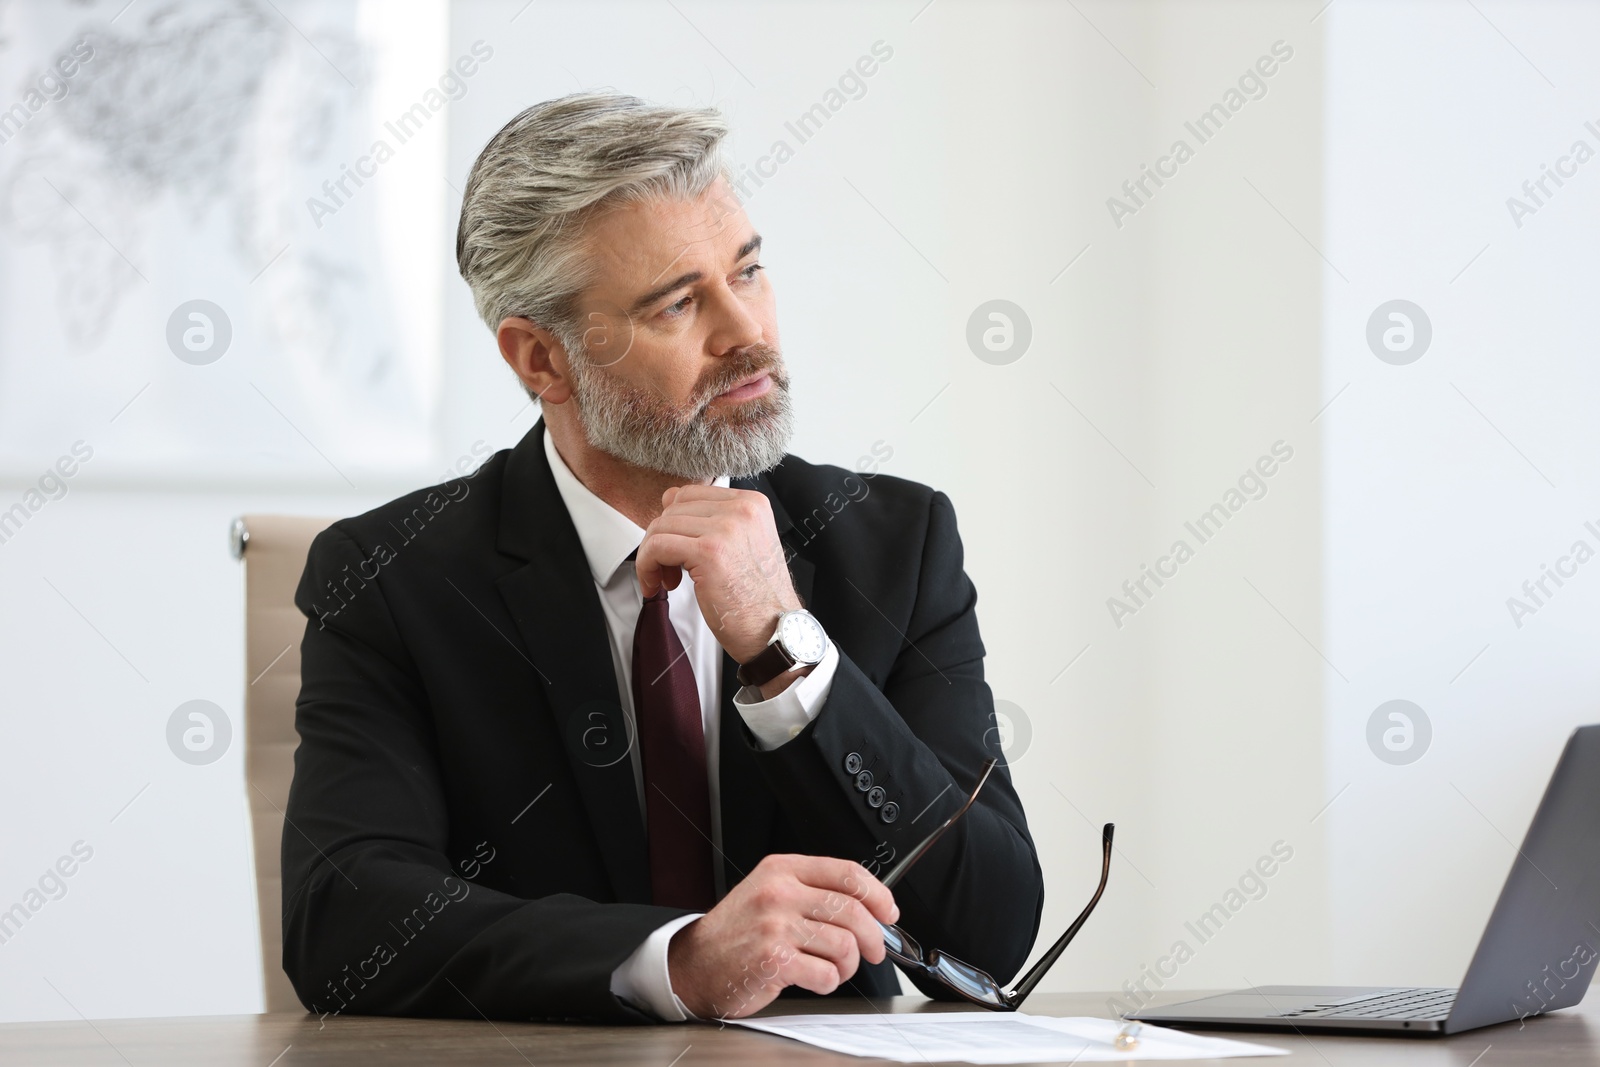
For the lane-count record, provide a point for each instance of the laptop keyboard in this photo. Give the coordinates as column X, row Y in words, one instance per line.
column 1389, row 1004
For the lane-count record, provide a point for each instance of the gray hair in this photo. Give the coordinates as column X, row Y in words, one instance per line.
column 519, row 242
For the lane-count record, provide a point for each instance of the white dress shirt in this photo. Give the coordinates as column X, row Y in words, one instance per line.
column 608, row 538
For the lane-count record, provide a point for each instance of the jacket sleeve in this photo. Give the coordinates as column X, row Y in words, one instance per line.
column 376, row 919
column 923, row 731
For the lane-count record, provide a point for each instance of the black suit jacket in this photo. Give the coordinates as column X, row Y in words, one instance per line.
column 463, row 833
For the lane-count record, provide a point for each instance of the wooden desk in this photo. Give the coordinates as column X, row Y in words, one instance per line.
column 1566, row 1037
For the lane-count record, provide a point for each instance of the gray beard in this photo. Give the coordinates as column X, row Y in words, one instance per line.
column 634, row 425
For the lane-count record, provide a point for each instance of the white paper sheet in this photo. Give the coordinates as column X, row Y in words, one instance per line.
column 995, row 1037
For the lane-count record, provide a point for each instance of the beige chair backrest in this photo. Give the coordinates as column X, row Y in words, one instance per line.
column 273, row 548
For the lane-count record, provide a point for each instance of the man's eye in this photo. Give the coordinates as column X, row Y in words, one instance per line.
column 673, row 310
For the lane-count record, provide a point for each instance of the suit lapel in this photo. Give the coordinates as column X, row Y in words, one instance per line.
column 557, row 611
column 747, row 803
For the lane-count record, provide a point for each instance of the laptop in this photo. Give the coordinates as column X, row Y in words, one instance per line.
column 1537, row 954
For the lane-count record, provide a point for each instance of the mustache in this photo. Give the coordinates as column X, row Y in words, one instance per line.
column 755, row 359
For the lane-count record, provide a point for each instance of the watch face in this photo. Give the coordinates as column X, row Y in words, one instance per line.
column 802, row 637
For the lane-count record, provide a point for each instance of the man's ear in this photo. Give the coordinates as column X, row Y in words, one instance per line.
column 537, row 357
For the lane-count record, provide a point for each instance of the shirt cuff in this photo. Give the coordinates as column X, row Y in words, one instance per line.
column 776, row 721
column 642, row 979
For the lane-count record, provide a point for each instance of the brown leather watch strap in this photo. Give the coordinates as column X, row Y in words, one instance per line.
column 768, row 664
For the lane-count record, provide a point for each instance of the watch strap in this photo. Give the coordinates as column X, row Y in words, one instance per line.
column 768, row 664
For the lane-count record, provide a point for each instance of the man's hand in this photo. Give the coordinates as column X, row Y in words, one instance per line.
column 795, row 920
column 727, row 541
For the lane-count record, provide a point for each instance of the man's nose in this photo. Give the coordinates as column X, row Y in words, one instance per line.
column 737, row 327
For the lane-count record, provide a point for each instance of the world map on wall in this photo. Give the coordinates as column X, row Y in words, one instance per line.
column 155, row 165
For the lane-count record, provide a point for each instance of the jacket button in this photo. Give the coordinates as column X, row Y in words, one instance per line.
column 889, row 812
column 864, row 781
column 852, row 763
column 875, row 797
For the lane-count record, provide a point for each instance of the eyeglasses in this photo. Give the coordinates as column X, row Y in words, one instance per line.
column 971, row 982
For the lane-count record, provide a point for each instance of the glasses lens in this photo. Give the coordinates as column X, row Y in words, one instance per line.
column 968, row 979
column 901, row 945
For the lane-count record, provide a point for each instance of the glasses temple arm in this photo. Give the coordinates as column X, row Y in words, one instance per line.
column 1037, row 971
column 899, row 869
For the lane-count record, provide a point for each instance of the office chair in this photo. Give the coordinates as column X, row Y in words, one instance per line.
column 273, row 550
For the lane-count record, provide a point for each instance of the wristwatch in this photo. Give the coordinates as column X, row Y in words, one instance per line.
column 798, row 641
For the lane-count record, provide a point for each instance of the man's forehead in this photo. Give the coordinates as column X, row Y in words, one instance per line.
column 639, row 241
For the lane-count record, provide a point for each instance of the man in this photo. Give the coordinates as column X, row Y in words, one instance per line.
column 614, row 728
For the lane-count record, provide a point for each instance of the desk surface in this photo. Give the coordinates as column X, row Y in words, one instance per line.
column 1565, row 1037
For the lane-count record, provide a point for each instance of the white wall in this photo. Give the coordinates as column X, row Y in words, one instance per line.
column 1165, row 360
column 1451, row 480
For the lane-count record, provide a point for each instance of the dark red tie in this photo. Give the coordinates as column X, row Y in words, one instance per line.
column 672, row 743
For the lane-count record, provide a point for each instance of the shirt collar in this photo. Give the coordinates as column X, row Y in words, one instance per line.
column 608, row 536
